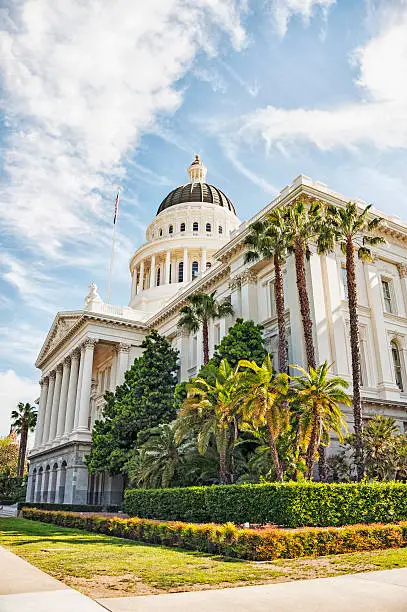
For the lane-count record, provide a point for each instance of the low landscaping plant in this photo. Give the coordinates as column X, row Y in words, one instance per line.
column 287, row 504
column 229, row 540
column 69, row 507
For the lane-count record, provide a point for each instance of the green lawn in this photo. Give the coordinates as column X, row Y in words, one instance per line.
column 101, row 566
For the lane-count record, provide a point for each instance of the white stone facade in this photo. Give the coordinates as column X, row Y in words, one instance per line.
column 88, row 351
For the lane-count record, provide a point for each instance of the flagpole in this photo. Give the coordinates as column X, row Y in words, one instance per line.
column 113, row 247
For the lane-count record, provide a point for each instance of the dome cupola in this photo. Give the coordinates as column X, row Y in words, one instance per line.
column 196, row 190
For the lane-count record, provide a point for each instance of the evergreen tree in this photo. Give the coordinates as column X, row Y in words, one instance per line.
column 243, row 341
column 143, row 401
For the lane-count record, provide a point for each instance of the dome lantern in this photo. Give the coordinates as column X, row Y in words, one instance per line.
column 197, row 171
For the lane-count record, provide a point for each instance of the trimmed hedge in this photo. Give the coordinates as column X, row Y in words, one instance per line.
column 228, row 540
column 287, row 504
column 69, row 507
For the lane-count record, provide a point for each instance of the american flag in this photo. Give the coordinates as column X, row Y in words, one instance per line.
column 116, row 208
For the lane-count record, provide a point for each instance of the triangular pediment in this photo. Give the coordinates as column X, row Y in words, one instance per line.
column 63, row 324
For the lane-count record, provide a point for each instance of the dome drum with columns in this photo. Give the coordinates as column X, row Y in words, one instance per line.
column 192, row 223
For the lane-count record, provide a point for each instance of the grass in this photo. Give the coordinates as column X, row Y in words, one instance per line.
column 102, row 566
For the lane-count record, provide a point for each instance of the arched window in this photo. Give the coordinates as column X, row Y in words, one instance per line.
column 181, row 272
column 195, row 269
column 220, row 229
column 161, row 232
column 395, row 352
column 158, row 277
column 182, row 227
column 208, row 227
column 195, row 226
column 171, row 229
column 208, row 265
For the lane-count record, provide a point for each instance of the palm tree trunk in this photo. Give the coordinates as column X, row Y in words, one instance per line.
column 273, row 449
column 312, row 449
column 355, row 352
column 322, row 467
column 205, row 337
column 279, row 299
column 223, row 470
column 299, row 255
column 22, row 451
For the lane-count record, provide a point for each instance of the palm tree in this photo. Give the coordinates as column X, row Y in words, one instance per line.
column 201, row 309
column 318, row 403
column 355, row 233
column 267, row 240
column 208, row 409
column 159, row 460
column 264, row 402
column 24, row 420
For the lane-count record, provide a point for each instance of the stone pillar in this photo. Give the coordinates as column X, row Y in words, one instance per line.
column 55, row 405
column 30, row 487
column 133, row 284
column 141, row 278
column 47, row 417
column 249, row 295
column 203, row 260
column 402, row 268
column 86, row 385
column 318, row 305
column 236, row 295
column 187, row 275
column 71, row 397
column 41, row 412
column 123, row 351
column 79, row 387
column 292, row 301
column 63, row 398
column 152, row 271
column 167, row 267
column 336, row 321
column 182, row 347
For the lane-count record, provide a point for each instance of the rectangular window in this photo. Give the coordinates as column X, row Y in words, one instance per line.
column 386, row 287
column 344, row 282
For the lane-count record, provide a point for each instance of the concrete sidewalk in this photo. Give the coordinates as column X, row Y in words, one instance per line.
column 384, row 591
column 25, row 588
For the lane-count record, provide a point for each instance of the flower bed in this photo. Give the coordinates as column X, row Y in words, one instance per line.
column 229, row 540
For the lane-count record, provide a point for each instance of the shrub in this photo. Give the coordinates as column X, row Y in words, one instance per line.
column 12, row 489
column 69, row 507
column 228, row 540
column 287, row 504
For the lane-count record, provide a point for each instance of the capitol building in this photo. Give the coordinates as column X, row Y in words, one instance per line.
column 196, row 244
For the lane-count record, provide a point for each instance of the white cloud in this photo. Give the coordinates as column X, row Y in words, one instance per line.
column 14, row 389
column 284, row 10
column 82, row 82
column 20, row 343
column 379, row 119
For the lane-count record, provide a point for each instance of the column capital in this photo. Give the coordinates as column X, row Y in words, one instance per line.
column 248, row 276
column 43, row 381
column 402, row 268
column 235, row 281
column 67, row 360
column 52, row 375
column 122, row 347
column 90, row 343
column 76, row 353
column 59, row 368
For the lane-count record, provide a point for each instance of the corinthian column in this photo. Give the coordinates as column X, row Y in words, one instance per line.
column 41, row 412
column 123, row 351
column 78, row 392
column 141, row 278
column 187, row 275
column 86, row 385
column 48, row 407
column 167, row 267
column 63, row 398
column 72, row 390
column 55, row 405
column 152, row 271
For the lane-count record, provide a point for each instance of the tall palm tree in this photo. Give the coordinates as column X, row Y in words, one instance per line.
column 355, row 233
column 23, row 420
column 318, row 403
column 267, row 240
column 264, row 396
column 202, row 308
column 302, row 221
column 208, row 408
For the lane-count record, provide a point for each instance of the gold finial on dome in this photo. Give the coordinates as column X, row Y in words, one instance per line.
column 197, row 171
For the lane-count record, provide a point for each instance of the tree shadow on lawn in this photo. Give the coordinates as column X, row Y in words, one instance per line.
column 55, row 535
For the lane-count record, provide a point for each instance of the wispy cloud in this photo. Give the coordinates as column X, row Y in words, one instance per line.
column 284, row 10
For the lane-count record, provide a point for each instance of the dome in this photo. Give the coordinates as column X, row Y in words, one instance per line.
column 196, row 191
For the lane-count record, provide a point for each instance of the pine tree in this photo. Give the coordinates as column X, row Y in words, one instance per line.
column 143, row 401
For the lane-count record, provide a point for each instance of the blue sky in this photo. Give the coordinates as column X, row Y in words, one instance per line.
column 99, row 93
